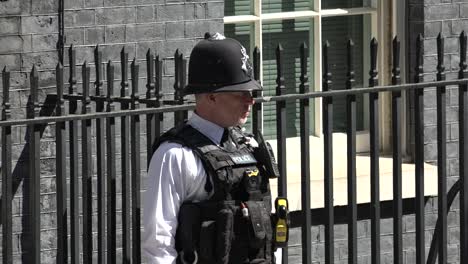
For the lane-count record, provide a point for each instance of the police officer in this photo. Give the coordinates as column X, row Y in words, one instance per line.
column 208, row 198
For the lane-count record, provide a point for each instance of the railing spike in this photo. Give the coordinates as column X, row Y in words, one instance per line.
column 33, row 100
column 396, row 59
column 373, row 53
column 176, row 72
column 279, row 48
column 419, row 59
column 440, row 53
column 183, row 76
column 110, row 80
column 350, row 49
column 85, row 74
column 158, row 79
column 6, row 85
column 463, row 49
column 98, row 69
column 59, row 82
column 124, row 72
column 279, row 69
column 304, row 88
column 440, row 50
column 256, row 63
column 326, row 68
column 149, row 73
column 72, row 75
column 96, row 51
column 135, row 67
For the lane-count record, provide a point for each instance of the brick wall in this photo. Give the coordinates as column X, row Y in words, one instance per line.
column 430, row 18
column 28, row 36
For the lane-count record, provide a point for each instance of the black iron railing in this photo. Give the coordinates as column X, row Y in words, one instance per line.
column 100, row 125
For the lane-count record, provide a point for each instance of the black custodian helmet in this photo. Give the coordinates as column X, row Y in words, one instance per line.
column 219, row 64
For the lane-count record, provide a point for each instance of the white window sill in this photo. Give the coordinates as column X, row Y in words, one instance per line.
column 340, row 174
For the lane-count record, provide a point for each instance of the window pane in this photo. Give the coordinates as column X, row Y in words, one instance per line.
column 290, row 33
column 337, row 30
column 237, row 7
column 330, row 4
column 277, row 6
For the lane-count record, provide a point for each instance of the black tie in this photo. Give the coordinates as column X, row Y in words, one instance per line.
column 226, row 141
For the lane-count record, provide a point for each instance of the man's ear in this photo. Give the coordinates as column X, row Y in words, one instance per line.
column 212, row 97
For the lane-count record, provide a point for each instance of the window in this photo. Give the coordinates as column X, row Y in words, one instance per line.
column 265, row 23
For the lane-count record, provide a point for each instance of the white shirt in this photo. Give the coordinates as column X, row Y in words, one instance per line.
column 175, row 175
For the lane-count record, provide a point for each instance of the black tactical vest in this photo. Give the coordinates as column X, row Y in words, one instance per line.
column 234, row 225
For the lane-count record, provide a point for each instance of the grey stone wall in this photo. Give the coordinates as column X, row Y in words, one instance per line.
column 429, row 18
column 28, row 36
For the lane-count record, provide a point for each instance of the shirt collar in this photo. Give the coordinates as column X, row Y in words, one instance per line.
column 211, row 130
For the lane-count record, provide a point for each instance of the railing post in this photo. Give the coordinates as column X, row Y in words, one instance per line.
column 159, row 95
column 135, row 164
column 328, row 158
column 125, row 162
column 281, row 133
column 419, row 153
column 100, row 158
column 154, row 122
column 34, row 138
column 61, row 179
column 182, row 82
column 111, row 170
column 87, row 171
column 463, row 133
column 396, row 143
column 150, row 90
column 257, row 117
column 374, row 155
column 441, row 154
column 351, row 160
column 73, row 138
column 177, row 88
column 305, row 159
column 7, row 189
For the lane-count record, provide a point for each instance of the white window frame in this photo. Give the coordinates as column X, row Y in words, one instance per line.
column 380, row 18
column 315, row 15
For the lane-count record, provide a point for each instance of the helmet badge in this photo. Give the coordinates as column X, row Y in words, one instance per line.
column 217, row 36
column 246, row 67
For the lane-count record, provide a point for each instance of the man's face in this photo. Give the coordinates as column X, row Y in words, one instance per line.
column 233, row 107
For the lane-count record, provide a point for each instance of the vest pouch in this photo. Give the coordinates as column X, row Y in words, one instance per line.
column 224, row 235
column 257, row 229
column 207, row 242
